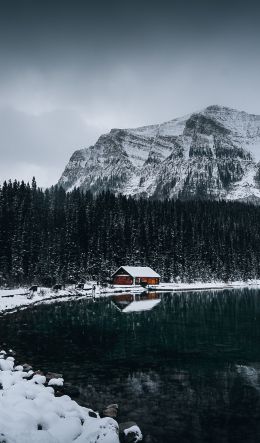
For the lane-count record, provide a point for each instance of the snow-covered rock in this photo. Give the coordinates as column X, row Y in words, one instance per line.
column 212, row 153
column 30, row 412
column 56, row 382
column 135, row 431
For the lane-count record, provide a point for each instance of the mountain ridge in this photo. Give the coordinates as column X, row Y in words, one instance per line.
column 206, row 154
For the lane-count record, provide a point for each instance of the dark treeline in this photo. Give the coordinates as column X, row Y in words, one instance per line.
column 50, row 236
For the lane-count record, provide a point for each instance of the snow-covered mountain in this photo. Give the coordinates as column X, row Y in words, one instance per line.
column 212, row 153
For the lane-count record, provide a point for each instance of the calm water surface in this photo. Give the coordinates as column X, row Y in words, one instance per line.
column 187, row 370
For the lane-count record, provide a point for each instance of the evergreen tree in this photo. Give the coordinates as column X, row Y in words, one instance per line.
column 52, row 236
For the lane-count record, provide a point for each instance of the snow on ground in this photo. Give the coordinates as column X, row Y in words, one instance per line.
column 30, row 412
column 200, row 286
column 13, row 299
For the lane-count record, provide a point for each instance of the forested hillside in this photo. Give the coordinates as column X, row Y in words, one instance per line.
column 50, row 236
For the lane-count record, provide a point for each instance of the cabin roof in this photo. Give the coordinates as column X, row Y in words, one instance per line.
column 139, row 271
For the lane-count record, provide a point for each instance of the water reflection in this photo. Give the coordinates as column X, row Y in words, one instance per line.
column 186, row 370
column 137, row 302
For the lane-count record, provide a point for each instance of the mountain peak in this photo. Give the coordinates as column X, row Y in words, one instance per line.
column 206, row 154
column 218, row 108
column 225, row 110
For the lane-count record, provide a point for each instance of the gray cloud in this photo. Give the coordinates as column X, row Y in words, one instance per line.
column 39, row 145
column 72, row 70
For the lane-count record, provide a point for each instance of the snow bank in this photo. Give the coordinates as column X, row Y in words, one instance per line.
column 200, row 286
column 13, row 299
column 30, row 412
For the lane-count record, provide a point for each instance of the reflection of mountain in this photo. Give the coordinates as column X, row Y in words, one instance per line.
column 197, row 404
column 185, row 403
column 137, row 302
column 251, row 374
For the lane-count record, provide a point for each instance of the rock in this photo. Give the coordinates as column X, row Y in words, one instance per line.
column 38, row 372
column 129, row 432
column 113, row 405
column 18, row 368
column 92, row 414
column 126, row 425
column 58, row 393
column 56, row 382
column 70, row 390
column 27, row 367
column 11, row 352
column 28, row 375
column 51, row 375
column 110, row 411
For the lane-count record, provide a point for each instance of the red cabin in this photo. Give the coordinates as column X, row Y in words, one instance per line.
column 135, row 275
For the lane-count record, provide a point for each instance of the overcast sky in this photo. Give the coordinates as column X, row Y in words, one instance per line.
column 72, row 70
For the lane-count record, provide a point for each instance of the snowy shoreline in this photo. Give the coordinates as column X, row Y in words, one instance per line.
column 12, row 300
column 32, row 411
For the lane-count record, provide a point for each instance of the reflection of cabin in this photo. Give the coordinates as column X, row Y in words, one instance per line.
column 135, row 275
column 136, row 302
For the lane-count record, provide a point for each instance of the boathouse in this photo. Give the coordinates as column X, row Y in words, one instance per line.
column 135, row 275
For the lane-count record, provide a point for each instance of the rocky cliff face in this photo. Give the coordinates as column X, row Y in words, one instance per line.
column 209, row 154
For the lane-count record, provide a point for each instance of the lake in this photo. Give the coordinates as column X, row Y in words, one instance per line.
column 185, row 366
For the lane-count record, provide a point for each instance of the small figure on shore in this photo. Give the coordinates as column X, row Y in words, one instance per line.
column 94, row 291
column 32, row 291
